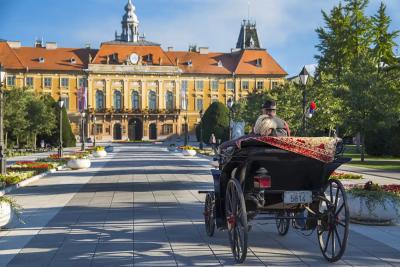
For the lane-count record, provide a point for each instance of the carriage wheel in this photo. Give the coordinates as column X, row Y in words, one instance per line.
column 209, row 213
column 282, row 224
column 236, row 217
column 333, row 223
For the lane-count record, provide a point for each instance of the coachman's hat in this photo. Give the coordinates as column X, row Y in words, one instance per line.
column 269, row 104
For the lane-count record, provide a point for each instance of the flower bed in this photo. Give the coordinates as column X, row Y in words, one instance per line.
column 341, row 176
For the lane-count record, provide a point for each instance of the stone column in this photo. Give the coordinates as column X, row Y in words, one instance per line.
column 125, row 104
column 108, row 94
column 160, row 95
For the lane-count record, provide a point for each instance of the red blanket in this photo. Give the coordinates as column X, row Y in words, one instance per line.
column 320, row 148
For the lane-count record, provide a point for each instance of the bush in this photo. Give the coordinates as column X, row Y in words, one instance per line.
column 383, row 141
column 215, row 120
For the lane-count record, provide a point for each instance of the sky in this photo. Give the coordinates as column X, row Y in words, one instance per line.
column 286, row 28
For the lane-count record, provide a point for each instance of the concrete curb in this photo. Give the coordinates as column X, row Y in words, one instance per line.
column 26, row 182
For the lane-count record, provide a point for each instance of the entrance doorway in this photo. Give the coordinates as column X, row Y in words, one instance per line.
column 117, row 132
column 153, row 131
column 135, row 129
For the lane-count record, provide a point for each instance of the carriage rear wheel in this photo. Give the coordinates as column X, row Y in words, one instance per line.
column 209, row 213
column 282, row 224
column 236, row 217
column 333, row 223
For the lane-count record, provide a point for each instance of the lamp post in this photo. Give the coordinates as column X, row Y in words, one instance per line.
column 83, row 114
column 303, row 81
column 94, row 129
column 230, row 105
column 201, row 129
column 2, row 150
column 186, row 129
column 60, row 148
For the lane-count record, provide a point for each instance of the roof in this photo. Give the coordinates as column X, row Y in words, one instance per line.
column 8, row 58
column 54, row 59
column 123, row 50
column 248, row 63
column 204, row 63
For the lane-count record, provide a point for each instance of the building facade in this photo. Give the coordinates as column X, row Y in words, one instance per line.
column 135, row 89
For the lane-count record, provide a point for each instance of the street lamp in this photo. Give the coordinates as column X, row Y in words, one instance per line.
column 94, row 129
column 60, row 104
column 230, row 105
column 201, row 129
column 303, row 81
column 2, row 150
column 83, row 114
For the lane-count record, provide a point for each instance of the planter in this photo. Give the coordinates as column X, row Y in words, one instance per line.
column 5, row 213
column 100, row 154
column 188, row 152
column 366, row 211
column 109, row 149
column 76, row 164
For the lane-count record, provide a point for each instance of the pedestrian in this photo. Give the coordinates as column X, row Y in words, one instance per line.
column 282, row 128
column 213, row 142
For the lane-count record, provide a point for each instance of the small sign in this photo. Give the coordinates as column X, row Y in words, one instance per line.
column 297, row 197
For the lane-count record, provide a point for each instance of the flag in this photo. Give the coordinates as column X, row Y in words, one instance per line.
column 82, row 103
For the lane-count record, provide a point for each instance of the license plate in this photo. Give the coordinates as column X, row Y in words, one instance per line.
column 291, row 197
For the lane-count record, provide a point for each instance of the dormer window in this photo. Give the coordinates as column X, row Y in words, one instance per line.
column 190, row 64
column 220, row 63
column 41, row 60
column 72, row 60
column 149, row 58
column 258, row 62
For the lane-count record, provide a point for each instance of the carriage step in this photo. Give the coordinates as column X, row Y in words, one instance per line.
column 205, row 191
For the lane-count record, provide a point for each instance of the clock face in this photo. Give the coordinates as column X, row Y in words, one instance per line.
column 134, row 58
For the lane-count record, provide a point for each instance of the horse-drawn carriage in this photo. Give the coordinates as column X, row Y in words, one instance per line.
column 285, row 179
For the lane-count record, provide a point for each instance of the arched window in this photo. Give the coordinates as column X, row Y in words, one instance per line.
column 135, row 100
column 152, row 100
column 117, row 100
column 99, row 99
column 169, row 101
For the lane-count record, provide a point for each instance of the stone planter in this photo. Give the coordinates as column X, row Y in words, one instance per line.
column 76, row 164
column 100, row 154
column 109, row 149
column 5, row 213
column 365, row 211
column 188, row 152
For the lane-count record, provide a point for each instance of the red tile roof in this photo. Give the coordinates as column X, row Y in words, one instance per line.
column 123, row 51
column 8, row 58
column 248, row 64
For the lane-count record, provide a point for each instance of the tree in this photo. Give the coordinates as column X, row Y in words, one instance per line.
column 216, row 120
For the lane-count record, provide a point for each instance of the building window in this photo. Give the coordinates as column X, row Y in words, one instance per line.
column 199, row 104
column 184, row 89
column 152, row 100
column 230, row 85
column 274, row 84
column 184, row 85
column 167, row 129
column 82, row 82
column 99, row 100
column 214, row 85
column 117, row 100
column 260, row 85
column 135, row 100
column 64, row 82
column 47, row 82
column 10, row 80
column 29, row 81
column 65, row 98
column 245, row 85
column 169, row 101
column 199, row 85
column 99, row 128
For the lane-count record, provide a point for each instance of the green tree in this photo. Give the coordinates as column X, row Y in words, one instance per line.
column 216, row 120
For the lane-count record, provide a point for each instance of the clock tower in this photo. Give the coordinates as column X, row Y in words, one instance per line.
column 130, row 25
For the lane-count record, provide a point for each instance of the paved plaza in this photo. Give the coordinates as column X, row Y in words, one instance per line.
column 140, row 207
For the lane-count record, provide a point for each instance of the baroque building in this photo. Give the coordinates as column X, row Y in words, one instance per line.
column 135, row 89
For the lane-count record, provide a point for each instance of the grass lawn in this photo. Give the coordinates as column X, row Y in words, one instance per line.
column 382, row 163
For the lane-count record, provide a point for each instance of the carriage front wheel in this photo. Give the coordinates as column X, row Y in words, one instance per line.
column 282, row 224
column 236, row 218
column 209, row 213
column 333, row 222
